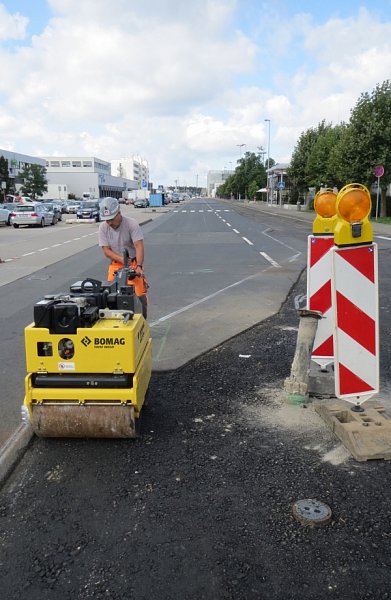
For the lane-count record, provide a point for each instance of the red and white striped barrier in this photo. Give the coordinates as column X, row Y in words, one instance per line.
column 319, row 296
column 356, row 335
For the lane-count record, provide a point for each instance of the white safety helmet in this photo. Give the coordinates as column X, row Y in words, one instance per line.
column 108, row 208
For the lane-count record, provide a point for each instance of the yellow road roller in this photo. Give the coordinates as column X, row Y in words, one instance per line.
column 89, row 361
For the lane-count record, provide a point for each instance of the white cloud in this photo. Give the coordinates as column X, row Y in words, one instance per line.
column 12, row 27
column 181, row 83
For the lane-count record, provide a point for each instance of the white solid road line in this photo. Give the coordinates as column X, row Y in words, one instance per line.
column 200, row 301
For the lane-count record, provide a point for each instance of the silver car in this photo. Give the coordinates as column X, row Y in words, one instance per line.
column 32, row 214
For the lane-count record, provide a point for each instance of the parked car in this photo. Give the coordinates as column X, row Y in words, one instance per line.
column 4, row 215
column 32, row 214
column 65, row 205
column 18, row 199
column 72, row 206
column 56, row 208
column 9, row 207
column 89, row 210
column 141, row 203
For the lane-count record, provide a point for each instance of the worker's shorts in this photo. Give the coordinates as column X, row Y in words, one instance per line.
column 140, row 283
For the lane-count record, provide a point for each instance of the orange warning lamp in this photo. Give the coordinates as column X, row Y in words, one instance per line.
column 353, row 208
column 325, row 205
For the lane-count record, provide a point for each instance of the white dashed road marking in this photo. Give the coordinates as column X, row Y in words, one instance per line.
column 247, row 241
column 48, row 248
column 270, row 260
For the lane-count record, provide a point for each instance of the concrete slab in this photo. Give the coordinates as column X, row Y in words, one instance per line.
column 367, row 435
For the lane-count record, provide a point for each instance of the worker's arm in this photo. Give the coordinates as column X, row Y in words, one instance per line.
column 113, row 256
column 139, row 247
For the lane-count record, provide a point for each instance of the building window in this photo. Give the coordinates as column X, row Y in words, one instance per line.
column 76, row 163
column 87, row 163
column 65, row 163
column 54, row 163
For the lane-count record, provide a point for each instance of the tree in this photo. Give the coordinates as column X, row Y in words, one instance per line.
column 366, row 141
column 249, row 176
column 298, row 171
column 321, row 169
column 35, row 182
column 4, row 175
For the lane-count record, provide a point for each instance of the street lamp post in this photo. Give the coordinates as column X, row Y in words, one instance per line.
column 268, row 160
column 240, row 146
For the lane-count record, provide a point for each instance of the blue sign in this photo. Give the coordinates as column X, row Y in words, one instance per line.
column 144, row 183
column 281, row 185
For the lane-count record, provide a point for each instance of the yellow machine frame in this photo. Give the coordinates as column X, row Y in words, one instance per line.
column 113, row 346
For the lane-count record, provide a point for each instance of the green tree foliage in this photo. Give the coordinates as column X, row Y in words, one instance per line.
column 4, row 175
column 298, row 171
column 320, row 167
column 35, row 182
column 347, row 153
column 249, row 176
column 367, row 141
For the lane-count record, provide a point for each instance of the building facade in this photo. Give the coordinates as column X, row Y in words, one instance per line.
column 134, row 168
column 85, row 174
column 215, row 179
column 16, row 164
column 277, row 183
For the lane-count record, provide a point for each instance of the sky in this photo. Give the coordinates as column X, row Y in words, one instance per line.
column 186, row 86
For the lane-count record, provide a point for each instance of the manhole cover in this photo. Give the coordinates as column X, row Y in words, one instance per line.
column 312, row 512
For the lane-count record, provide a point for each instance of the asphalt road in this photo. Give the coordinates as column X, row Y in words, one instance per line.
column 203, row 261
column 201, row 506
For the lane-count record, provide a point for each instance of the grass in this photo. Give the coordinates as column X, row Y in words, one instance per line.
column 385, row 220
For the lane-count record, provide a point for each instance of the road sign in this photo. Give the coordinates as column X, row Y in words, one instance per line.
column 356, row 335
column 379, row 171
column 144, row 183
column 281, row 185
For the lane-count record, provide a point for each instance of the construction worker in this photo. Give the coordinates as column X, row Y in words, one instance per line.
column 117, row 233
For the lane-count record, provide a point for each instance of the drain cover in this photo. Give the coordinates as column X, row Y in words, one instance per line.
column 312, row 512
